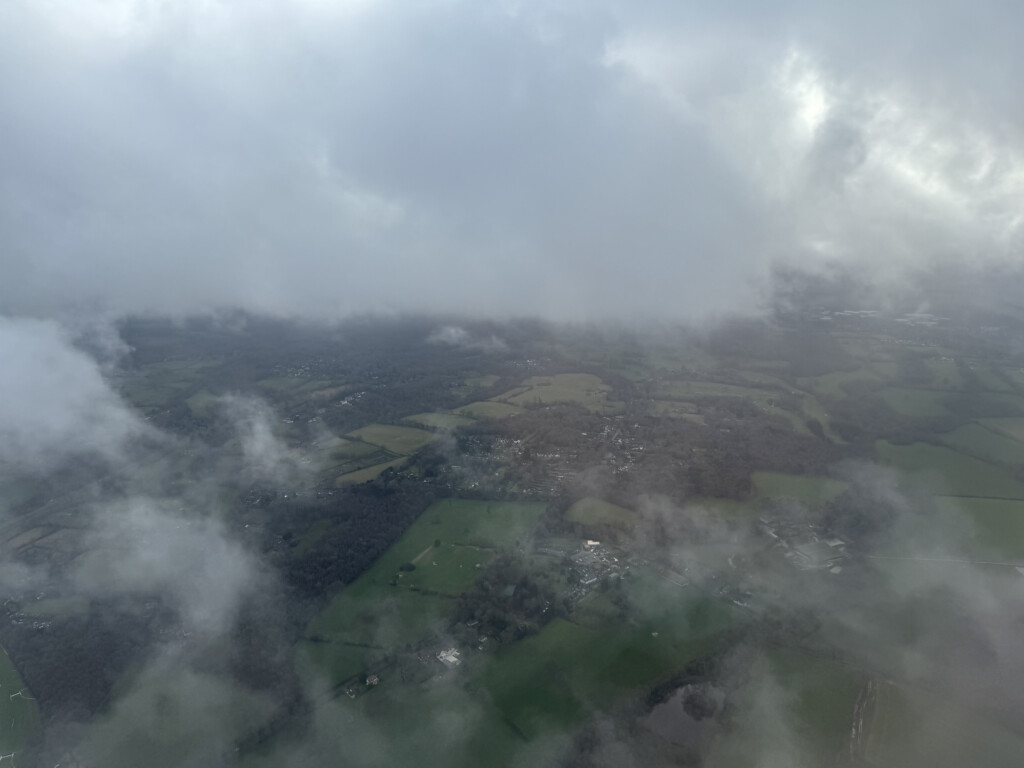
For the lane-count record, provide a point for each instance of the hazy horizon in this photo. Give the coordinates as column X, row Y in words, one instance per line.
column 570, row 160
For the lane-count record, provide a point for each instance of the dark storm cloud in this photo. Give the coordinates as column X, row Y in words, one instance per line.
column 570, row 159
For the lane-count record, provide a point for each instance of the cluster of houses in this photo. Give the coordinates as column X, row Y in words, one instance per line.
column 449, row 657
column 592, row 563
column 804, row 548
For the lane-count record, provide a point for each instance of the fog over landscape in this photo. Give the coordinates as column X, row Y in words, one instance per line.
column 279, row 279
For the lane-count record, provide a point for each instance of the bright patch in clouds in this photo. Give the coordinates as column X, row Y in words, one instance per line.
column 569, row 159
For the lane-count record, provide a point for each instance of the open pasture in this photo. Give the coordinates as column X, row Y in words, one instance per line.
column 157, row 385
column 445, row 422
column 364, row 623
column 996, row 527
column 201, row 403
column 991, row 404
column 353, row 461
column 946, row 472
column 489, row 409
column 813, row 409
column 14, row 493
column 823, row 697
column 19, row 714
column 401, row 440
column 796, row 420
column 295, row 386
column 340, row 450
column 57, row 606
column 488, row 524
column 687, row 390
column 366, row 474
column 945, row 374
column 387, row 607
column 993, row 379
column 1011, row 426
column 811, row 699
column 977, row 440
column 806, row 488
column 448, row 569
column 833, row 384
column 584, row 389
column 548, row 681
column 591, row 511
column 1015, row 376
column 917, row 404
column 916, row 729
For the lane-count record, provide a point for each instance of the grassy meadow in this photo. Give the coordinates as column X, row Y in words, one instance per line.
column 399, row 440
column 584, row 389
column 387, row 606
column 19, row 714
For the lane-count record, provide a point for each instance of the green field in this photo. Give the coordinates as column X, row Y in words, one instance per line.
column 365, row 622
column 294, row 385
column 1011, row 426
column 387, row 607
column 441, row 421
column 14, row 492
column 823, row 693
column 992, row 404
column 806, row 488
column 201, row 402
column 993, row 379
column 19, row 716
column 339, row 450
column 492, row 524
column 983, row 443
column 353, row 461
column 996, row 526
column 946, row 472
column 591, row 511
column 917, row 404
column 678, row 393
column 945, row 373
column 831, row 384
column 796, row 707
column 584, row 389
column 281, row 383
column 796, row 420
column 687, row 390
column 402, row 440
column 912, row 729
column 447, row 569
column 548, row 681
column 366, row 474
column 57, row 606
column 488, row 409
column 157, row 385
column 814, row 410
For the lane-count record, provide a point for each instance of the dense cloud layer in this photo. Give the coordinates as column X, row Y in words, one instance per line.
column 54, row 401
column 569, row 159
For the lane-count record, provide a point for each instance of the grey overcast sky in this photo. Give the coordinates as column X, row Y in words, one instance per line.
column 574, row 159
